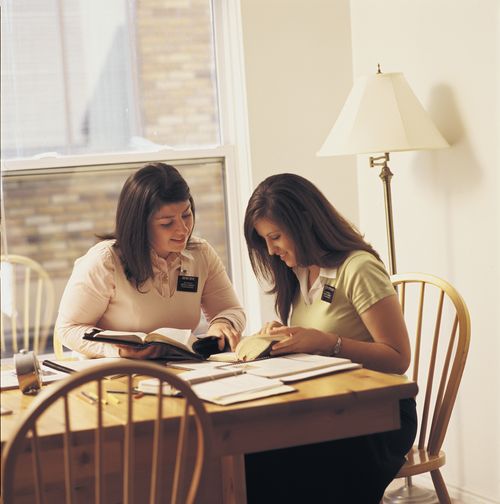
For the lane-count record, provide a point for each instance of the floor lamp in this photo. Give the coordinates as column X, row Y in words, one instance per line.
column 382, row 115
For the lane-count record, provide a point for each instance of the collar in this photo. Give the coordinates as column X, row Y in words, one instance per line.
column 302, row 274
column 173, row 261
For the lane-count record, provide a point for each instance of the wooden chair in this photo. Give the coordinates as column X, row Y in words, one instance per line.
column 27, row 314
column 440, row 342
column 100, row 465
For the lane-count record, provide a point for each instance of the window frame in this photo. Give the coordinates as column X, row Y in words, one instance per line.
column 234, row 152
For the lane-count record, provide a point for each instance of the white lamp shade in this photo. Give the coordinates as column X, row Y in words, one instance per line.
column 382, row 114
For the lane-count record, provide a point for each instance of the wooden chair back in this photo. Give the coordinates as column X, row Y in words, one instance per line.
column 99, row 463
column 27, row 314
column 439, row 328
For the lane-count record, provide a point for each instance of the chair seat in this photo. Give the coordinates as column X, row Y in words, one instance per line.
column 420, row 461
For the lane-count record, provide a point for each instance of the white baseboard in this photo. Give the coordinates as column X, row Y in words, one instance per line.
column 464, row 496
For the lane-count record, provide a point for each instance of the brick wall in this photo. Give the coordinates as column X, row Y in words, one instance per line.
column 176, row 72
column 53, row 218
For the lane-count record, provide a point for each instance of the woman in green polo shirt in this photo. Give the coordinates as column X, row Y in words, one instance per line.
column 334, row 297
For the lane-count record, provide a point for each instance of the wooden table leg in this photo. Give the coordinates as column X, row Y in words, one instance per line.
column 233, row 479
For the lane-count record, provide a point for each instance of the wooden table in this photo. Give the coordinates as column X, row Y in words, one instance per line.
column 336, row 406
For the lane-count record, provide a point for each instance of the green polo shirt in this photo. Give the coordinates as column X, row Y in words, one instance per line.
column 359, row 282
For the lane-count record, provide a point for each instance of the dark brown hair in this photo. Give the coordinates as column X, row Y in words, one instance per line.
column 321, row 236
column 144, row 192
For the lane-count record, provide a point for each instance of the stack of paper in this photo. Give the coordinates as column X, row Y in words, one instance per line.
column 221, row 385
column 227, row 383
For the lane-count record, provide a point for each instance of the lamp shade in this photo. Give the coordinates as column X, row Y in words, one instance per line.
column 382, row 114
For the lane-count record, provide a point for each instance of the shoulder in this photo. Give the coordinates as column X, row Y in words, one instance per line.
column 205, row 255
column 200, row 248
column 362, row 262
column 365, row 280
column 102, row 254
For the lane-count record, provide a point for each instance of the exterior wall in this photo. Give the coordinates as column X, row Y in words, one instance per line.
column 176, row 72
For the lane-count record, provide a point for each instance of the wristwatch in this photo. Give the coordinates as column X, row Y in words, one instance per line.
column 337, row 347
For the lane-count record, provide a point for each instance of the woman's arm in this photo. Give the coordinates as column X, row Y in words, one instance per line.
column 220, row 303
column 85, row 300
column 389, row 352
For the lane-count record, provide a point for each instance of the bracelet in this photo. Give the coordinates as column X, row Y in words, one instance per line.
column 338, row 346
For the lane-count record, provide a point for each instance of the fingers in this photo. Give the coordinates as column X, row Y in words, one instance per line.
column 230, row 334
column 270, row 325
column 282, row 329
column 225, row 332
column 129, row 352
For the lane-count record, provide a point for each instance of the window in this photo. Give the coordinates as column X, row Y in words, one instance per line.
column 92, row 90
column 87, row 76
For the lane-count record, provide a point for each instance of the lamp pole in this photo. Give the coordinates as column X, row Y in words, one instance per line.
column 386, row 175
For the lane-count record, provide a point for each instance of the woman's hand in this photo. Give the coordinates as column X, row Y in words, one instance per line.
column 224, row 331
column 302, row 340
column 268, row 326
column 130, row 352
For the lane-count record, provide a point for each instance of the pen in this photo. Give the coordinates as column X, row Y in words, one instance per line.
column 93, row 396
column 135, row 391
column 57, row 367
column 82, row 395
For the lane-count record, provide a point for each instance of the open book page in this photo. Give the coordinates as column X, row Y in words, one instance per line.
column 256, row 346
column 250, row 396
column 182, row 338
column 224, row 357
column 293, row 364
column 239, row 388
column 186, row 365
column 134, row 337
column 221, row 386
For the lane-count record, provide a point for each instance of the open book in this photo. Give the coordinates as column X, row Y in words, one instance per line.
column 179, row 343
column 256, row 346
column 221, row 386
column 294, row 367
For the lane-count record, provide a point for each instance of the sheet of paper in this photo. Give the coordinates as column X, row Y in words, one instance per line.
column 195, row 365
column 233, row 385
column 318, row 372
column 8, row 378
column 278, row 367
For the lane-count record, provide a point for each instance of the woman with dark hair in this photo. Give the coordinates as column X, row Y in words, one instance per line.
column 334, row 297
column 150, row 273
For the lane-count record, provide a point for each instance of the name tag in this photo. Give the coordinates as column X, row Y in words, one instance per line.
column 328, row 293
column 187, row 283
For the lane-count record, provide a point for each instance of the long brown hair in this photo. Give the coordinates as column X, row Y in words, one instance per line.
column 321, row 236
column 144, row 192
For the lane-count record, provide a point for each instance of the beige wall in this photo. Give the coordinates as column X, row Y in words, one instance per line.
column 300, row 60
column 447, row 219
column 298, row 71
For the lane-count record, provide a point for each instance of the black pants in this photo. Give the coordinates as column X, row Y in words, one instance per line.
column 354, row 470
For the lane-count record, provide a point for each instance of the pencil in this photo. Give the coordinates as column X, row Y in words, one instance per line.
column 92, row 396
column 84, row 397
column 112, row 398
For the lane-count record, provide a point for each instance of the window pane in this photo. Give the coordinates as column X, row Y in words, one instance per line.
column 53, row 217
column 93, row 76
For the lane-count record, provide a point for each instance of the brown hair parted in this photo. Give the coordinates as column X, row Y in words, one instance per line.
column 143, row 193
column 321, row 236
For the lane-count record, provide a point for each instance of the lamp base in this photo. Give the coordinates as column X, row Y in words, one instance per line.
column 411, row 495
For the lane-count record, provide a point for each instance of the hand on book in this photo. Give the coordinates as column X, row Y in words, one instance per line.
column 302, row 340
column 225, row 332
column 149, row 352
